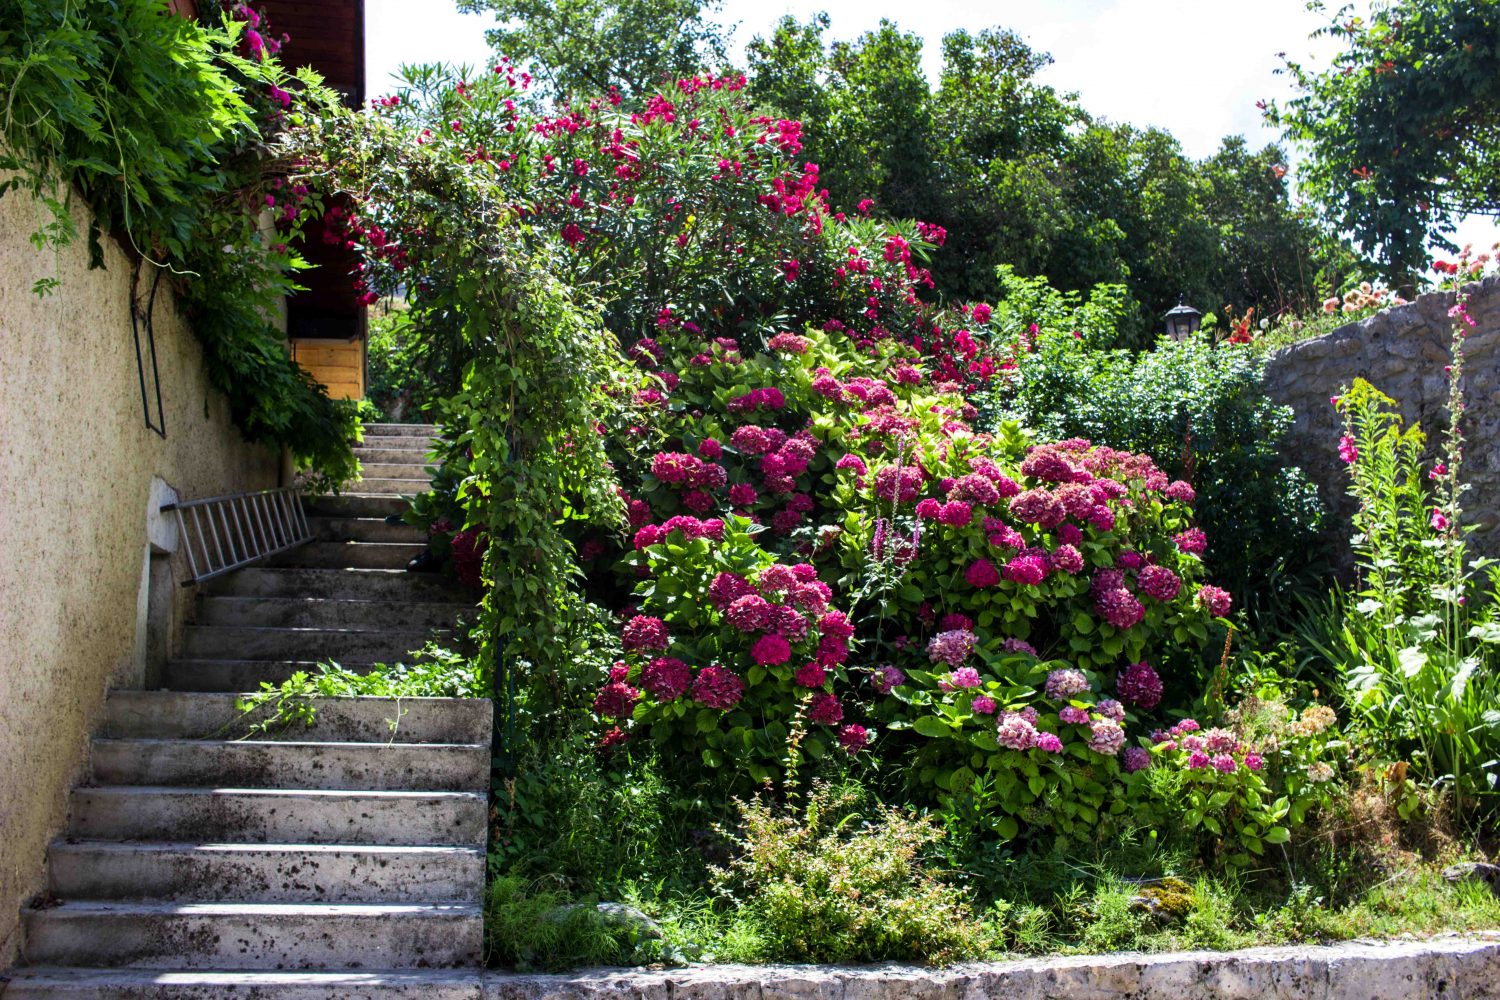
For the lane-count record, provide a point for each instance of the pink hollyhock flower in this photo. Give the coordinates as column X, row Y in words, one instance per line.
column 1136, row 759
column 645, row 633
column 983, row 704
column 1439, row 520
column 770, row 650
column 616, row 700
column 854, row 738
column 811, row 675
column 825, row 709
column 982, row 573
column 1216, row 600
column 1065, row 683
column 666, row 677
column 1140, row 685
column 1348, row 451
column 715, row 687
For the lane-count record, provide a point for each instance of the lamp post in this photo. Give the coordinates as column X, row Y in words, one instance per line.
column 1182, row 320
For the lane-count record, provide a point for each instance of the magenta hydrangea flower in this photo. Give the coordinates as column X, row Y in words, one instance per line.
column 667, row 678
column 1070, row 534
column 1014, row 645
column 1253, row 761
column 1140, row 685
column 710, row 449
column 1049, row 742
column 887, row 679
column 1159, row 582
column 1119, row 607
column 1136, row 759
column 1197, row 760
column 715, row 687
column 751, row 613
column 1067, row 558
column 1106, row 737
column 1073, row 716
column 770, row 650
column 1038, row 507
column 1066, row 683
column 644, row 632
column 811, row 675
column 953, row 620
column 1016, row 732
column 1216, row 600
column 1192, row 541
column 929, row 509
column 1102, row 518
column 1027, row 569
column 751, row 440
column 983, row 704
column 615, row 700
column 728, row 587
column 951, row 647
column 825, row 709
column 966, row 677
column 1111, row 709
column 982, row 573
column 854, row 738
column 1225, row 763
column 956, row 514
column 742, row 494
column 1181, row 492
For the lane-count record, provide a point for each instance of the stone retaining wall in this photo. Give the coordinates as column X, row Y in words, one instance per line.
column 1467, row 968
column 1402, row 352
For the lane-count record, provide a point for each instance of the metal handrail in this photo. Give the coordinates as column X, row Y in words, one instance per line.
column 254, row 526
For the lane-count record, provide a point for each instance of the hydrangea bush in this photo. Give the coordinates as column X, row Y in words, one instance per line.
column 993, row 603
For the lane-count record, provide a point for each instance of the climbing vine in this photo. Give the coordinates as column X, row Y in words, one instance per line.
column 160, row 125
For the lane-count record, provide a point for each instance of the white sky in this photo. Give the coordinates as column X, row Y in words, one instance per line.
column 1193, row 67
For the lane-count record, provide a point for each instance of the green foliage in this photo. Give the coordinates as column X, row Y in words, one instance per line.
column 1415, row 650
column 843, row 880
column 1020, row 174
column 159, row 122
column 593, row 46
column 1199, row 411
column 1401, row 128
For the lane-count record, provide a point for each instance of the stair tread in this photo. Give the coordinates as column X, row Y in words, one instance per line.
column 305, row 745
column 235, row 908
column 72, row 975
column 218, row 847
column 304, row 793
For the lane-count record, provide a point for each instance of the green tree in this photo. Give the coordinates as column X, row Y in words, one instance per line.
column 1402, row 128
column 589, row 46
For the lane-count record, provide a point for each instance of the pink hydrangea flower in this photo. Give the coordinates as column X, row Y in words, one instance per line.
column 1159, row 582
column 1111, row 709
column 1065, row 683
column 1225, row 763
column 770, row 650
column 1140, row 685
column 952, row 647
column 644, row 632
column 982, row 573
column 1016, row 732
column 1215, row 599
column 616, row 700
column 1136, row 759
column 983, row 704
column 715, row 687
column 825, row 710
column 1197, row 760
column 811, row 675
column 1106, row 737
column 1027, row 569
column 854, row 738
column 667, row 678
column 1048, row 742
column 1191, row 541
column 887, row 679
column 1073, row 716
column 966, row 677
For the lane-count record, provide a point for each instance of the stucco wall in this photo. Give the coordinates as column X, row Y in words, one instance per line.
column 1403, row 353
column 76, row 467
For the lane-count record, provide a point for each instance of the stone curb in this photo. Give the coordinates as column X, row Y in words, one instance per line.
column 1458, row 967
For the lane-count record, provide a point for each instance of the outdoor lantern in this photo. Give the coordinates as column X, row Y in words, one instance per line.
column 1182, row 320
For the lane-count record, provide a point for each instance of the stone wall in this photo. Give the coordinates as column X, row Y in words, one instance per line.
column 77, row 467
column 1403, row 353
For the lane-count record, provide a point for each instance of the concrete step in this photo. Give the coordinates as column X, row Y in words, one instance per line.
column 241, row 675
column 348, row 555
column 210, row 984
column 395, row 450
column 364, row 529
column 213, row 642
column 191, row 715
column 354, row 505
column 413, row 469
column 393, row 487
column 402, row 430
column 265, row 873
column 433, row 767
column 265, row 816
column 255, row 935
column 349, row 584
column 323, row 612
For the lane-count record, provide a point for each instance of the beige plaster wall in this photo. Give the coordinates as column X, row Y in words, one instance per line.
column 76, row 467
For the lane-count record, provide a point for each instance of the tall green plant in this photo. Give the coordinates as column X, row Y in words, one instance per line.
column 1418, row 653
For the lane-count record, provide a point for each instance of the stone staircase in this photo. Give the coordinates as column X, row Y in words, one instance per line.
column 344, row 859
